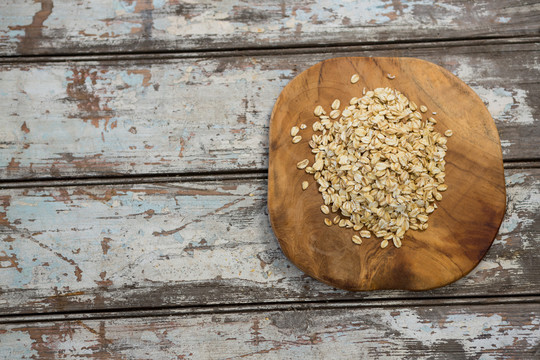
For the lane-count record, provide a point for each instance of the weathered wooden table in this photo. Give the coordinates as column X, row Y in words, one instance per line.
column 133, row 157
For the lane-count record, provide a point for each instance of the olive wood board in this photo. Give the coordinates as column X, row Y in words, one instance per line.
column 460, row 230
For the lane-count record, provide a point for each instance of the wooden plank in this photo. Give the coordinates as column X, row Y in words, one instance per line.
column 102, row 118
column 507, row 331
column 154, row 245
column 64, row 26
column 267, row 307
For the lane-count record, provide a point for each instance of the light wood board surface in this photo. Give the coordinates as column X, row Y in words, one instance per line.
column 65, row 26
column 165, row 244
column 159, row 116
column 495, row 331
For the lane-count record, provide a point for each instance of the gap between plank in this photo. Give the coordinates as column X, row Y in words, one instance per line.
column 136, row 179
column 180, row 177
column 268, row 307
column 270, row 50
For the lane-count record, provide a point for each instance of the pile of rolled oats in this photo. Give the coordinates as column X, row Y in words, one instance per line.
column 378, row 164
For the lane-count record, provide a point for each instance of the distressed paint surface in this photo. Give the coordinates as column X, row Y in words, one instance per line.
column 202, row 115
column 196, row 243
column 65, row 26
column 500, row 332
column 120, row 246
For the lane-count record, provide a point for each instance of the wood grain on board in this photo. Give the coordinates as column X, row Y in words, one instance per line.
column 68, row 27
column 461, row 229
column 176, row 244
column 101, row 118
column 503, row 331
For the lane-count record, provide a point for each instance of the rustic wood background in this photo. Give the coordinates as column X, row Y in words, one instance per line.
column 133, row 158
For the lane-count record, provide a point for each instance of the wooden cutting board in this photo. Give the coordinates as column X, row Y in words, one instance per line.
column 460, row 231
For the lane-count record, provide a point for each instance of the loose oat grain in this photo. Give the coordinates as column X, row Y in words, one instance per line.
column 334, row 114
column 302, row 164
column 365, row 234
column 319, row 111
column 356, row 239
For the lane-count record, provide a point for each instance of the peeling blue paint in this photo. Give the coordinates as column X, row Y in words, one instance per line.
column 178, row 237
column 502, row 92
column 124, row 5
column 159, row 3
column 517, row 178
column 161, row 24
column 134, row 80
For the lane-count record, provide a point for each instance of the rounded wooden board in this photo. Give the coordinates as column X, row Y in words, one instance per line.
column 460, row 231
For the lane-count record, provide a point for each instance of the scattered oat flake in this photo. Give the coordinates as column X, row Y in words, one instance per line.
column 296, row 139
column 305, row 185
column 355, row 78
column 365, row 234
column 356, row 239
column 448, row 133
column 302, row 164
column 334, row 114
column 328, row 222
column 442, row 187
column 294, row 131
column 303, row 126
column 390, row 76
